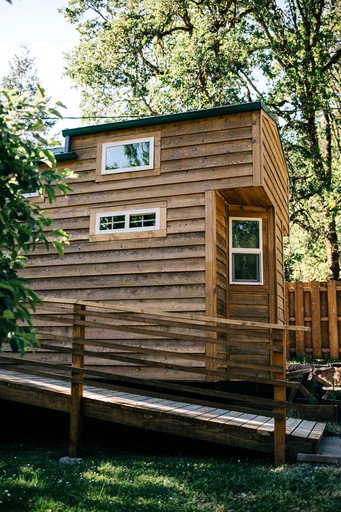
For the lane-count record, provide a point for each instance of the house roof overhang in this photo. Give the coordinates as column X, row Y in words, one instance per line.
column 169, row 118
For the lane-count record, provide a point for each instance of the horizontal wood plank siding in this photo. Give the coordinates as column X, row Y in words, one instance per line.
column 275, row 182
column 166, row 273
column 275, row 176
column 201, row 165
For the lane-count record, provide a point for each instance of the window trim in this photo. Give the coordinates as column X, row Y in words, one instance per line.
column 159, row 230
column 125, row 142
column 245, row 250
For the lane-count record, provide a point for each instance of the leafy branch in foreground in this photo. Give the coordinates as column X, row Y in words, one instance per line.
column 22, row 222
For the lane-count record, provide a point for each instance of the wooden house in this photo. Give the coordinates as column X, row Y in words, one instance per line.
column 183, row 212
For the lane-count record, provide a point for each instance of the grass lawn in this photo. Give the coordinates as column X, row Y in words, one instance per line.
column 128, row 470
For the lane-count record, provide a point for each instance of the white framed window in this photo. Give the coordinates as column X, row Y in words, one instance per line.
column 127, row 155
column 245, row 250
column 31, row 194
column 127, row 221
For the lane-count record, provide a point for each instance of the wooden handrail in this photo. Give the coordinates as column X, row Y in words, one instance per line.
column 184, row 317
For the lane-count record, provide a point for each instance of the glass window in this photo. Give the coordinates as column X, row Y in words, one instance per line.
column 245, row 234
column 140, row 221
column 130, row 155
column 246, row 251
column 121, row 222
column 112, row 222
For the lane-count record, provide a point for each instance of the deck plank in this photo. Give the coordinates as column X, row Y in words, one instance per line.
column 304, row 429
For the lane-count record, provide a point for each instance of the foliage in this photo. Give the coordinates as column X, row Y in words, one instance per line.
column 304, row 256
column 23, row 77
column 160, row 56
column 23, row 223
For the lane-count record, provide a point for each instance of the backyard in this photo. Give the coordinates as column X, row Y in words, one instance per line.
column 127, row 469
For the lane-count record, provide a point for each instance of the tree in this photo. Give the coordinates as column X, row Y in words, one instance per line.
column 22, row 223
column 23, row 77
column 23, row 74
column 150, row 57
column 303, row 65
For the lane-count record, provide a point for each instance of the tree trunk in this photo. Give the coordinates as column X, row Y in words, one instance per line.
column 333, row 250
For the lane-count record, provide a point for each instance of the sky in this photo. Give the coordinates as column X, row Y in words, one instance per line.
column 38, row 25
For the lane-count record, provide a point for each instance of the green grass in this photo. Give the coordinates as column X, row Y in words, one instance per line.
column 126, row 470
column 33, row 480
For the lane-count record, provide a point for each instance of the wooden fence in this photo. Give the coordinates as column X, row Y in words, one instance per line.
column 318, row 306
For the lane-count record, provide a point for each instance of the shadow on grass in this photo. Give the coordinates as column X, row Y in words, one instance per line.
column 128, row 470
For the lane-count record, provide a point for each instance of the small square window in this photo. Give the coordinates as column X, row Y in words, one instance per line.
column 246, row 251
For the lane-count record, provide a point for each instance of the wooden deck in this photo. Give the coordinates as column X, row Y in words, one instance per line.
column 209, row 423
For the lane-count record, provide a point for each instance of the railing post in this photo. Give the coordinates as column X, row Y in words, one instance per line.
column 76, row 381
column 279, row 359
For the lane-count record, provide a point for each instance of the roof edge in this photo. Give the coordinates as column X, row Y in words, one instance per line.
column 166, row 118
column 63, row 157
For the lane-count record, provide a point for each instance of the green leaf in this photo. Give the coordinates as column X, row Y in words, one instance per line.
column 8, row 315
column 49, row 156
column 59, row 247
column 56, row 113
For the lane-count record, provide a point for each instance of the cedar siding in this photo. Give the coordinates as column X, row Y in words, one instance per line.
column 206, row 169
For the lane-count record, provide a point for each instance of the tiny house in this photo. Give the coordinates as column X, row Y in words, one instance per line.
column 184, row 212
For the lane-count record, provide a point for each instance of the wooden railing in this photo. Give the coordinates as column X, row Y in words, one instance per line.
column 237, row 350
column 318, row 306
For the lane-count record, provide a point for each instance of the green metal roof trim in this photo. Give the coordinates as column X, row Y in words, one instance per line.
column 62, row 157
column 169, row 118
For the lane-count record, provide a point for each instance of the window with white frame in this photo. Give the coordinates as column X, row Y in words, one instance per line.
column 128, row 155
column 31, row 194
column 246, row 254
column 127, row 221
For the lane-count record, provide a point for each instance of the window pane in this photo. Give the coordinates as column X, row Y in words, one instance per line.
column 112, row 222
column 245, row 234
column 245, row 267
column 140, row 221
column 149, row 219
column 127, row 155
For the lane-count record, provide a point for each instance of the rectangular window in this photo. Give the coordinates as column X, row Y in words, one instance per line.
column 245, row 242
column 127, row 221
column 128, row 155
column 31, row 194
column 123, row 222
